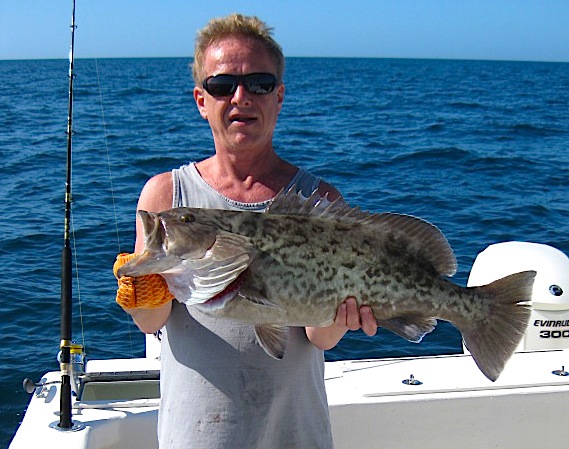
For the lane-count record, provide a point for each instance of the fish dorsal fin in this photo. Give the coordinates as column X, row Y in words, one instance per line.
column 414, row 235
column 417, row 237
column 293, row 202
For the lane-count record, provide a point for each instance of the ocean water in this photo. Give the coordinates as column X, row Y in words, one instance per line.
column 478, row 148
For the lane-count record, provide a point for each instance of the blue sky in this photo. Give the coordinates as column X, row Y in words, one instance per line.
column 527, row 30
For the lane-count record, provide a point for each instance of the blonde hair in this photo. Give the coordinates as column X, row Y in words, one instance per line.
column 240, row 25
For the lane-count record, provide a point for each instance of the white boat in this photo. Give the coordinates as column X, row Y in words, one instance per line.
column 413, row 402
column 404, row 403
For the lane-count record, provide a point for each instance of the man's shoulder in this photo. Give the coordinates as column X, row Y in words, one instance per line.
column 161, row 178
column 156, row 194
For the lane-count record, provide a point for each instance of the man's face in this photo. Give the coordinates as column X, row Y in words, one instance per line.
column 241, row 121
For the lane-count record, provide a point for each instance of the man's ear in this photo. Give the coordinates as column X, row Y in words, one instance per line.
column 200, row 101
column 280, row 95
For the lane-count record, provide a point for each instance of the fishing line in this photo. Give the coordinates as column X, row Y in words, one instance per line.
column 78, row 284
column 92, row 32
column 105, row 135
column 110, row 173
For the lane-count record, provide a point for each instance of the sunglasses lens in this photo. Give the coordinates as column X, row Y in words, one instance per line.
column 255, row 83
column 260, row 83
column 221, row 85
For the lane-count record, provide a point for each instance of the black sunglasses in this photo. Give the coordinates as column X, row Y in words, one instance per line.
column 255, row 83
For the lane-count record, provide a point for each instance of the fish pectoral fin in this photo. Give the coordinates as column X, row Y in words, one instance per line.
column 273, row 339
column 229, row 256
column 228, row 245
column 410, row 327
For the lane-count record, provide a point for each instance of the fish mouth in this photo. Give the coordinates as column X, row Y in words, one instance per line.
column 154, row 258
column 147, row 263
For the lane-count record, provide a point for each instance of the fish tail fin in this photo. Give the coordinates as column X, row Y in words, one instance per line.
column 493, row 339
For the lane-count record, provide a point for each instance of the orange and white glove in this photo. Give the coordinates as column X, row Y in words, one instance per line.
column 144, row 292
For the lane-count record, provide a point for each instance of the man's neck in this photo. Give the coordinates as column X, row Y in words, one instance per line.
column 245, row 180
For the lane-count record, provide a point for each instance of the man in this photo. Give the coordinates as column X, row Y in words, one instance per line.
column 218, row 387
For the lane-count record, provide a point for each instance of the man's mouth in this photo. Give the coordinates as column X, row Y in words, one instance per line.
column 242, row 119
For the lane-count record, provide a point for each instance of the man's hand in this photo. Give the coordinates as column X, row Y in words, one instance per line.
column 348, row 317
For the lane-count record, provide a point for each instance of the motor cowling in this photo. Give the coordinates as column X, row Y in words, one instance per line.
column 548, row 326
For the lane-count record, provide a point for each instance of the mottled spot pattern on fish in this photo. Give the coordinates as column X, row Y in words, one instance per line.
column 298, row 262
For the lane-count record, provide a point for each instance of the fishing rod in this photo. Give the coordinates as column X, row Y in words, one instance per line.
column 65, row 422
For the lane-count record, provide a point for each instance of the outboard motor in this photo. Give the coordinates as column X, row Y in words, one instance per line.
column 548, row 327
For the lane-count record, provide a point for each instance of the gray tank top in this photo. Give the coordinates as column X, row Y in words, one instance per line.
column 219, row 389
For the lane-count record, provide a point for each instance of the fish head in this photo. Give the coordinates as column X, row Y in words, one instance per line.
column 186, row 233
column 170, row 237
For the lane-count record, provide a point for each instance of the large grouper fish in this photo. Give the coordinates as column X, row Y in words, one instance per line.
column 294, row 264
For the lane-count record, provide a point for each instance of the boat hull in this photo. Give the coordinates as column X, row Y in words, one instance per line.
column 373, row 404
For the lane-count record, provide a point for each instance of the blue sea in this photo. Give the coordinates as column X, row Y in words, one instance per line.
column 479, row 148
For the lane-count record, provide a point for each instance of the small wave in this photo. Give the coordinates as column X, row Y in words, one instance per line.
column 435, row 127
column 536, row 130
column 378, row 144
column 501, row 164
column 137, row 90
column 304, row 133
column 452, row 154
column 465, row 105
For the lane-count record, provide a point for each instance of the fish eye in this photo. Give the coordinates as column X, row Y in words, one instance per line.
column 188, row 218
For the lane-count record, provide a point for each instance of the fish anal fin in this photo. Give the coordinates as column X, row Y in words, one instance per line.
column 273, row 339
column 410, row 327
